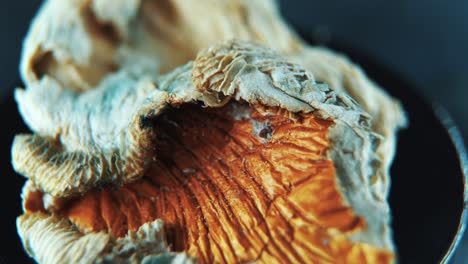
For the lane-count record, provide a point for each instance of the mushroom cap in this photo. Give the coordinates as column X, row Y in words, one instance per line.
column 148, row 37
column 274, row 167
column 253, row 151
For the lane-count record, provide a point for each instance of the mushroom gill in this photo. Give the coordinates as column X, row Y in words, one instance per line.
column 237, row 184
column 241, row 153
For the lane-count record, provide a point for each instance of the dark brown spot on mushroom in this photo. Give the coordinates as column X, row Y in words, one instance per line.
column 266, row 132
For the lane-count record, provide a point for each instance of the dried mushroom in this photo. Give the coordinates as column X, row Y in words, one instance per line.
column 85, row 139
column 53, row 240
column 80, row 42
column 241, row 155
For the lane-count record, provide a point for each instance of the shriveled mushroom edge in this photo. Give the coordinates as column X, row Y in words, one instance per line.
column 49, row 239
column 250, row 73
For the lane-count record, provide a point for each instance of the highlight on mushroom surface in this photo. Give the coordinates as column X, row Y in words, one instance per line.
column 149, row 148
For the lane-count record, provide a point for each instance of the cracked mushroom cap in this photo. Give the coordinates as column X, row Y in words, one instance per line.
column 241, row 154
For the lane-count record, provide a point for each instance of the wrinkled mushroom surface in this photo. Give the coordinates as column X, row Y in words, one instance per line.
column 54, row 240
column 276, row 160
column 238, row 184
column 148, row 37
column 244, row 154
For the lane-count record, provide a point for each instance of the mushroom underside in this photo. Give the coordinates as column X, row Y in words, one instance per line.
column 235, row 184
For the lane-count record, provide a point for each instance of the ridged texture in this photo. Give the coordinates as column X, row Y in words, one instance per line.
column 105, row 137
column 340, row 74
column 53, row 240
column 232, row 185
column 256, row 74
column 236, row 185
column 80, row 42
column 88, row 139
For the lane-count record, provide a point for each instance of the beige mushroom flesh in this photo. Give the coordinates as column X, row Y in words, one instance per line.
column 198, row 131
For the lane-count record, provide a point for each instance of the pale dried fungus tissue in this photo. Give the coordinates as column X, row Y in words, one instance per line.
column 183, row 131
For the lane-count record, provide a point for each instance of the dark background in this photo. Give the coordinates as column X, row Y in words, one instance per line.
column 424, row 41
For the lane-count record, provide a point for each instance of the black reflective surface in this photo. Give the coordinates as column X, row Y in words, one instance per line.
column 11, row 250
